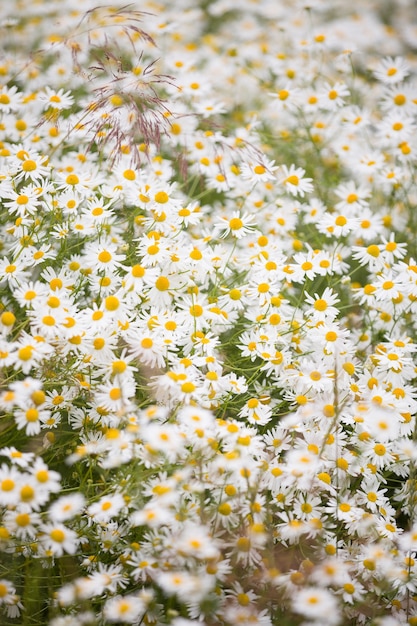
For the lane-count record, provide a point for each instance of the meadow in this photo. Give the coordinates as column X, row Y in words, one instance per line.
column 208, row 313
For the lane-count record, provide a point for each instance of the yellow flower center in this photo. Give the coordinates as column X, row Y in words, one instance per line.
column 111, row 303
column 104, row 256
column 57, row 535
column 187, row 387
column 72, row 179
column 32, row 415
column 293, row 180
column 320, row 305
column 146, row 343
column 118, row 367
column 22, row 520
column 29, row 165
column 161, row 197
column 115, row 393
column 26, row 493
column 235, row 223
column 129, row 175
column 7, row 484
column 7, row 318
column 162, row 283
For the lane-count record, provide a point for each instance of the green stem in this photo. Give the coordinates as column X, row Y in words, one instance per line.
column 33, row 593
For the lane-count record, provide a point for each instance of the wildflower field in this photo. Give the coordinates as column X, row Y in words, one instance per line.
column 208, row 313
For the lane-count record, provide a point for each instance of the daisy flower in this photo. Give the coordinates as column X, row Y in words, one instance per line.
column 370, row 225
column 22, row 522
column 10, row 99
column 107, row 507
column 56, row 99
column 258, row 171
column 128, row 609
column 115, row 396
column 31, row 419
column 238, row 225
column 31, row 166
column 378, row 453
column 396, row 128
column 286, row 98
column 25, row 201
column 338, row 224
column 322, row 307
column 57, row 539
column 401, row 98
column 10, row 483
column 370, row 257
column 386, row 287
column 352, row 196
column 256, row 412
column 13, row 272
column 293, row 180
column 185, row 584
column 392, row 250
column 46, row 479
column 381, row 422
column 164, row 438
column 149, row 347
column 391, row 70
column 66, row 507
column 21, row 459
column 102, row 256
column 9, row 598
column 195, row 541
column 333, row 97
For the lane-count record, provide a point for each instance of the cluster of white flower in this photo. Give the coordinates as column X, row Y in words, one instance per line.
column 208, row 313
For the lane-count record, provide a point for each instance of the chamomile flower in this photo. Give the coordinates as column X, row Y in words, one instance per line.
column 31, row 419
column 13, row 272
column 128, row 609
column 238, row 225
column 106, row 508
column 400, row 97
column 66, row 507
column 322, row 307
column 10, row 483
column 194, row 541
column 391, row 70
column 9, row 599
column 25, row 202
column 392, row 250
column 262, row 171
column 386, row 287
column 103, row 256
column 317, row 604
column 30, row 351
column 57, row 539
column 293, row 180
column 32, row 166
column 56, row 99
column 333, row 96
column 185, row 585
column 256, row 412
column 149, row 347
column 165, row 439
column 338, row 224
column 10, row 98
column 115, row 395
column 369, row 256
column 352, row 197
column 21, row 459
column 22, row 522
